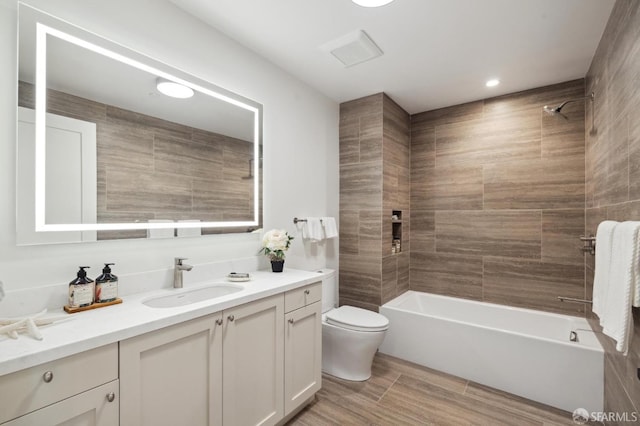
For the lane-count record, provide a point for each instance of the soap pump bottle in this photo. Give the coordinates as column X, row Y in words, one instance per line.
column 106, row 285
column 81, row 290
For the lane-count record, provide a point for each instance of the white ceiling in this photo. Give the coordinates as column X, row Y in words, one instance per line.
column 436, row 52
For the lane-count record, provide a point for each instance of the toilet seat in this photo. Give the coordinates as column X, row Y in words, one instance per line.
column 357, row 319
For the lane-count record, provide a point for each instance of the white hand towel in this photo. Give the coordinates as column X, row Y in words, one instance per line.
column 616, row 319
column 312, row 229
column 188, row 232
column 162, row 232
column 604, row 237
column 330, row 227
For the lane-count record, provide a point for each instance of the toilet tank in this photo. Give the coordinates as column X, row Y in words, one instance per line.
column 329, row 289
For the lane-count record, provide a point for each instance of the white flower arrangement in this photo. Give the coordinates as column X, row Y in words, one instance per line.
column 275, row 243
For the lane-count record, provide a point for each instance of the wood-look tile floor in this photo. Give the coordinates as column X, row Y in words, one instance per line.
column 402, row 393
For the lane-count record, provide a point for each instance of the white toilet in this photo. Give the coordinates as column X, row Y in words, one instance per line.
column 350, row 336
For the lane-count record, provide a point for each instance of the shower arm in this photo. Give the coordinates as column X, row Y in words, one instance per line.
column 567, row 102
column 591, row 96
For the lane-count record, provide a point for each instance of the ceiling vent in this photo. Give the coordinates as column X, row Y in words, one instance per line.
column 353, row 48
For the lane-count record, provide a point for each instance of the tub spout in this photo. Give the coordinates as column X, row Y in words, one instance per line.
column 573, row 336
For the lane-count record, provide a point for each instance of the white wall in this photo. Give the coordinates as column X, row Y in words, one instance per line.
column 300, row 142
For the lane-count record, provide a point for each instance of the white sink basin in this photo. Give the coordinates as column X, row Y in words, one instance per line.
column 192, row 296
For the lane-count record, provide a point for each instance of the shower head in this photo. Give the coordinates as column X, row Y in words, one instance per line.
column 555, row 111
column 558, row 110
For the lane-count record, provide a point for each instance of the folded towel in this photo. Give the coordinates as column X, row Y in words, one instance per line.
column 189, row 232
column 330, row 227
column 160, row 233
column 604, row 237
column 616, row 318
column 312, row 229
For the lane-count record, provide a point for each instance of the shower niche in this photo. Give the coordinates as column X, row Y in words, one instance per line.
column 396, row 231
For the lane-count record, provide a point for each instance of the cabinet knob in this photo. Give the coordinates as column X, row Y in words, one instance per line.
column 291, row 321
column 111, row 397
column 231, row 318
column 307, row 292
column 47, row 376
column 219, row 321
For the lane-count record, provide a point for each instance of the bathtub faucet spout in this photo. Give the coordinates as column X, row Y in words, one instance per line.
column 573, row 336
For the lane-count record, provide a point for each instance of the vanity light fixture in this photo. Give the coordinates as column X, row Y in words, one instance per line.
column 371, row 3
column 173, row 89
column 492, row 83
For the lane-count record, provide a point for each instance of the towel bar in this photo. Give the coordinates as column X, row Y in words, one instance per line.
column 589, row 244
column 573, row 300
column 296, row 220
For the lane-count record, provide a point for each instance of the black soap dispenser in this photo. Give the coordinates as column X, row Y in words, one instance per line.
column 106, row 285
column 81, row 290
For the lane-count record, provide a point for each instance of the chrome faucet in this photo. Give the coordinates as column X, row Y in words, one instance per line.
column 178, row 267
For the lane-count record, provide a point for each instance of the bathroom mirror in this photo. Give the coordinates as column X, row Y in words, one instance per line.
column 103, row 153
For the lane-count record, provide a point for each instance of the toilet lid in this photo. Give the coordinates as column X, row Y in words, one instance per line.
column 357, row 319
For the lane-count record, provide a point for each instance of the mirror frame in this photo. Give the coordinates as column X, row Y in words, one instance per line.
column 46, row 25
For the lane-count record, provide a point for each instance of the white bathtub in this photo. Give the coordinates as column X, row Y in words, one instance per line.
column 520, row 351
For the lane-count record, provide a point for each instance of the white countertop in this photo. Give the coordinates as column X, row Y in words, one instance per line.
column 98, row 327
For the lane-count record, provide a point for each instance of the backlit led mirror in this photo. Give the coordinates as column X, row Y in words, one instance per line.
column 106, row 150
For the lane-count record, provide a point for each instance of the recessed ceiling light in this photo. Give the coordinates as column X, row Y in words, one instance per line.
column 173, row 89
column 492, row 83
column 371, row 3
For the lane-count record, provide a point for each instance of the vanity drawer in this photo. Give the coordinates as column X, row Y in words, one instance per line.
column 36, row 387
column 295, row 299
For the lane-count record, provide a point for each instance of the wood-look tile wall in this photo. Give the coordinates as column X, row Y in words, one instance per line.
column 613, row 172
column 497, row 200
column 396, row 155
column 150, row 168
column 374, row 181
column 360, row 273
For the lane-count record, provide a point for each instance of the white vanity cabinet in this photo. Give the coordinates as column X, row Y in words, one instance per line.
column 173, row 376
column 251, row 364
column 79, row 390
column 253, row 360
column 224, row 368
column 303, row 345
